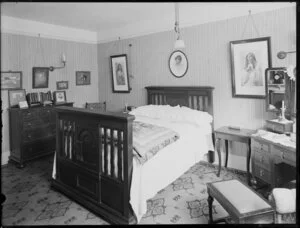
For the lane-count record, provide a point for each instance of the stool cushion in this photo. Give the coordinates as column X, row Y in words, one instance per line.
column 285, row 200
column 240, row 196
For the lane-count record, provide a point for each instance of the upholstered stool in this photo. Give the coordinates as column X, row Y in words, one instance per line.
column 242, row 203
column 283, row 201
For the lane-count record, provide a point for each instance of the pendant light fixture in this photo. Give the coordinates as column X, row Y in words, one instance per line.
column 179, row 43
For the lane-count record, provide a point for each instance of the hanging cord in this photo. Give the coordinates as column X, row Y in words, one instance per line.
column 40, row 51
column 253, row 23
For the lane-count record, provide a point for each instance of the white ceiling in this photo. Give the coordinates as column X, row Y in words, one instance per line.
column 113, row 18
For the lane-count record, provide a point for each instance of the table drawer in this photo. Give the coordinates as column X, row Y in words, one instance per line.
column 46, row 114
column 284, row 154
column 35, row 123
column 29, row 115
column 259, row 146
column 39, row 148
column 262, row 159
column 37, row 133
column 262, row 174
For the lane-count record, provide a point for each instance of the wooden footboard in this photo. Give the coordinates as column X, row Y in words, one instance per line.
column 94, row 161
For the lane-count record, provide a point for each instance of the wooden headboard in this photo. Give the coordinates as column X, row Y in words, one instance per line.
column 194, row 97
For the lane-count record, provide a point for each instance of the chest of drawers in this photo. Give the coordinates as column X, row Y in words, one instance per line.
column 32, row 133
column 272, row 162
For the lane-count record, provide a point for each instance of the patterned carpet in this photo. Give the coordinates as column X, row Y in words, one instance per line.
column 31, row 201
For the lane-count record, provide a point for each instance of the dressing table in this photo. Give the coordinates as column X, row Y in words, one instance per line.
column 273, row 157
column 273, row 151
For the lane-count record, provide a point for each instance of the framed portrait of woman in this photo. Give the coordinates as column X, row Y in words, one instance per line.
column 178, row 64
column 249, row 60
column 119, row 69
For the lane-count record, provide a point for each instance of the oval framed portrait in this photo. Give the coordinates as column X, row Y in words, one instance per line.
column 178, row 63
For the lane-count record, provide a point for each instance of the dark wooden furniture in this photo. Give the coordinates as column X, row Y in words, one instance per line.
column 273, row 163
column 100, row 106
column 241, row 202
column 32, row 133
column 228, row 134
column 89, row 141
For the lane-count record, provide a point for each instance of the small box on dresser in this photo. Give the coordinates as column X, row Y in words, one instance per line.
column 279, row 126
column 32, row 133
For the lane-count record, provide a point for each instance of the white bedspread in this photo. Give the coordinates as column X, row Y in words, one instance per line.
column 170, row 163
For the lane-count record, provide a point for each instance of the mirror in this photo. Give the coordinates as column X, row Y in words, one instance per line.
column 275, row 88
column 280, row 90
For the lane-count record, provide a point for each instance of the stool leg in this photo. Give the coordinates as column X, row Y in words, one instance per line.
column 219, row 155
column 248, row 163
column 210, row 201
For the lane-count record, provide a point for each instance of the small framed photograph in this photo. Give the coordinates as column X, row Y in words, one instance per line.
column 249, row 60
column 40, row 77
column 62, row 85
column 83, row 77
column 59, row 97
column 23, row 104
column 15, row 96
column 119, row 69
column 178, row 64
column 11, row 80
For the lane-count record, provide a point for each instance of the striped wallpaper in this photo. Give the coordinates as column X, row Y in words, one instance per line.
column 21, row 53
column 207, row 49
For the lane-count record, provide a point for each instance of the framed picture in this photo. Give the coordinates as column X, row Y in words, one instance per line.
column 249, row 60
column 11, row 80
column 62, row 85
column 15, row 96
column 23, row 104
column 178, row 64
column 119, row 70
column 59, row 97
column 83, row 77
column 40, row 77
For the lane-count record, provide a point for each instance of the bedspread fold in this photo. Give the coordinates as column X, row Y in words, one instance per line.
column 149, row 139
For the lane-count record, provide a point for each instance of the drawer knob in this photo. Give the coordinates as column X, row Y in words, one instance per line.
column 261, row 172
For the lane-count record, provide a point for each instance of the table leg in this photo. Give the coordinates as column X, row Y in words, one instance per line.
column 210, row 201
column 248, row 162
column 219, row 154
column 226, row 150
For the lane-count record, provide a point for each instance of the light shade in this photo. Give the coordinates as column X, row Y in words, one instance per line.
column 179, row 44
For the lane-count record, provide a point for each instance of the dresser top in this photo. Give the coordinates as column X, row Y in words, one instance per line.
column 277, row 139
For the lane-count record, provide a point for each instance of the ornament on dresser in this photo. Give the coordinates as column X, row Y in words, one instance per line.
column 59, row 97
column 46, row 98
column 15, row 96
column 33, row 99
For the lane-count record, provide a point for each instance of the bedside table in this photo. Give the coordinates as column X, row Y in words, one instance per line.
column 241, row 135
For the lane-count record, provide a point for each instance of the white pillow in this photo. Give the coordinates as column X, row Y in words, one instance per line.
column 173, row 113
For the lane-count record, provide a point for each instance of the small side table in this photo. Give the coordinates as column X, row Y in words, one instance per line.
column 228, row 134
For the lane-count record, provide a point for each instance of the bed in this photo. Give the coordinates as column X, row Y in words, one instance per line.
column 95, row 163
